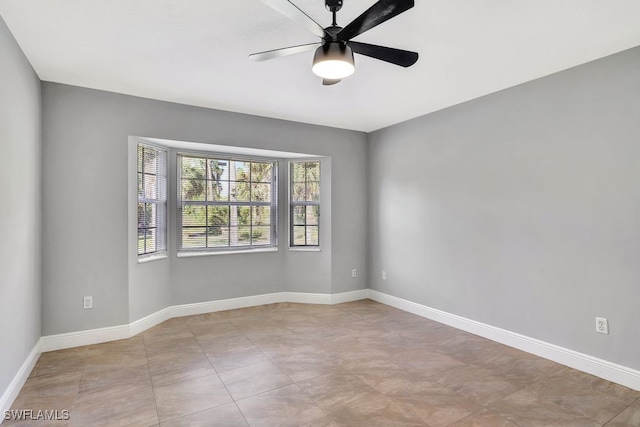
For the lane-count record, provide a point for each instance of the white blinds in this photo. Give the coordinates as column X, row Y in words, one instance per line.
column 304, row 202
column 226, row 204
column 152, row 200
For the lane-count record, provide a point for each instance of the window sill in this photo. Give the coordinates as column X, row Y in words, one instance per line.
column 303, row 249
column 154, row 257
column 250, row 251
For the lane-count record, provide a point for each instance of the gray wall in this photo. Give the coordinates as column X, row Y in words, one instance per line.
column 19, row 208
column 520, row 209
column 86, row 242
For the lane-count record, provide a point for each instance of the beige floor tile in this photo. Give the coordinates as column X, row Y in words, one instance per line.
column 304, row 370
column 437, row 405
column 623, row 393
column 106, row 361
column 580, row 399
column 131, row 345
column 483, row 418
column 106, row 384
column 526, row 409
column 212, row 329
column 182, row 343
column 337, row 389
column 476, row 384
column 630, row 417
column 354, row 364
column 170, row 329
column 227, row 415
column 168, row 369
column 254, row 379
column 377, row 410
column 286, row 406
column 62, row 360
column 186, row 397
column 522, row 372
column 51, row 392
column 131, row 409
column 236, row 357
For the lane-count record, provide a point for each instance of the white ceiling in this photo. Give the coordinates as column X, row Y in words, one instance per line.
column 195, row 52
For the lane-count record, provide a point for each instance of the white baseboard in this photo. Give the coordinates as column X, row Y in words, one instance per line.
column 601, row 368
column 225, row 304
column 96, row 336
column 11, row 392
column 80, row 338
column 304, row 298
column 349, row 296
column 149, row 321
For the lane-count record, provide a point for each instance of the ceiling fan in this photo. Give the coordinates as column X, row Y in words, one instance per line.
column 333, row 59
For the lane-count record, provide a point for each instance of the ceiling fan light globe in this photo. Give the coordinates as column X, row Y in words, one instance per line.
column 333, row 61
column 333, row 69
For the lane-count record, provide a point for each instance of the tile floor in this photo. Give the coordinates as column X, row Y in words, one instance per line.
column 353, row 364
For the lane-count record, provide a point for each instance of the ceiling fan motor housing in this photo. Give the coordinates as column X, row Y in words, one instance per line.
column 333, row 5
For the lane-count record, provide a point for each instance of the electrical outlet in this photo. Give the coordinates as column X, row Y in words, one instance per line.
column 602, row 325
column 354, row 273
column 88, row 302
column 384, row 275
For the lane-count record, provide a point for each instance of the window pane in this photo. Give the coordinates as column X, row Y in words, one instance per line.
column 218, row 237
column 261, row 215
column 299, row 215
column 260, row 192
column 313, row 171
column 298, row 236
column 217, row 169
column 151, row 241
column 298, row 192
column 239, row 236
column 240, row 191
column 261, row 235
column 194, row 237
column 193, row 189
column 223, row 167
column 218, row 191
column 142, row 218
column 240, row 171
column 141, row 234
column 312, row 235
column 150, row 215
column 298, row 173
column 312, row 215
column 150, row 161
column 193, row 167
column 313, row 191
column 218, row 215
column 260, row 172
column 194, row 216
column 226, row 191
column 140, row 186
column 244, row 215
column 140, row 162
column 150, row 187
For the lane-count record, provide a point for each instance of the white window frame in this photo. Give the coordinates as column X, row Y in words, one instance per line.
column 305, row 203
column 273, row 204
column 160, row 202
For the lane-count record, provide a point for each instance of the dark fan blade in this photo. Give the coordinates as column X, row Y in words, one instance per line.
column 276, row 53
column 294, row 13
column 380, row 12
column 329, row 82
column 400, row 57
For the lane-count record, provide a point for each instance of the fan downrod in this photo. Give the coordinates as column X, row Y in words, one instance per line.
column 333, row 6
